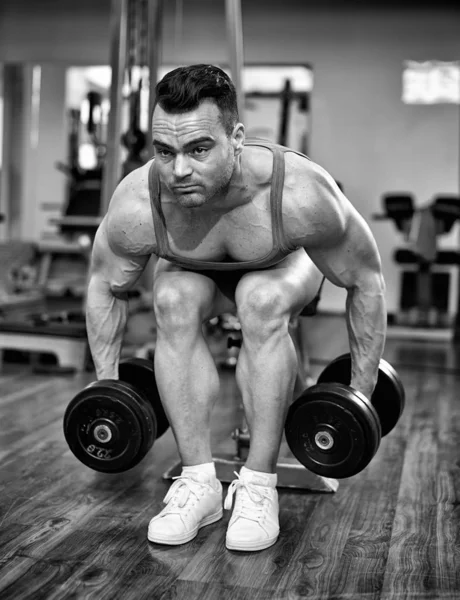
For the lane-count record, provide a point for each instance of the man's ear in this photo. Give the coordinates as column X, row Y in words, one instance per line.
column 238, row 137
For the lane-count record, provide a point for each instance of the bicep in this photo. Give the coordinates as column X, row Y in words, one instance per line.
column 113, row 264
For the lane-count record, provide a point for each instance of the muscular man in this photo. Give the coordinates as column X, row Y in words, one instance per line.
column 251, row 227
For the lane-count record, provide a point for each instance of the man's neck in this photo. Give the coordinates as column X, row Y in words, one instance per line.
column 236, row 193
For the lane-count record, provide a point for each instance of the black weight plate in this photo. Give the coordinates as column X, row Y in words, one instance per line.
column 140, row 373
column 127, row 375
column 147, row 419
column 113, row 407
column 338, row 413
column 388, row 397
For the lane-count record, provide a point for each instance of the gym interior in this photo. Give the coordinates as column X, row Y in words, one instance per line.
column 371, row 92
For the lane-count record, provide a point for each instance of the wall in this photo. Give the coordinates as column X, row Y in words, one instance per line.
column 362, row 133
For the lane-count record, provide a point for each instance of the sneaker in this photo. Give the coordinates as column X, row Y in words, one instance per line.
column 254, row 523
column 193, row 501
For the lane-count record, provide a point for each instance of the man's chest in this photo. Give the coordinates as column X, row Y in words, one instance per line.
column 245, row 233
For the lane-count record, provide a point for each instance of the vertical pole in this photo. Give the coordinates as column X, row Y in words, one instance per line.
column 456, row 324
column 178, row 28
column 154, row 33
column 235, row 40
column 118, row 52
column 155, row 14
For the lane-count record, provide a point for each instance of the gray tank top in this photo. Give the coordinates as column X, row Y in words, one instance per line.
column 281, row 247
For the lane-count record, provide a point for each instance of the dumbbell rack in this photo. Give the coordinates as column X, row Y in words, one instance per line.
column 291, row 474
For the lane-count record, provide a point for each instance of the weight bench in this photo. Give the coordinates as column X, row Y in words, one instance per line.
column 67, row 342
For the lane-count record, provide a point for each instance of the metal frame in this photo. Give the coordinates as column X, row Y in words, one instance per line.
column 155, row 17
column 118, row 49
column 235, row 40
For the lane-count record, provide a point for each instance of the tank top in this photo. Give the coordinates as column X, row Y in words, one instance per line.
column 281, row 247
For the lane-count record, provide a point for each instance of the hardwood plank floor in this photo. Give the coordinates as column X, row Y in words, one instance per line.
column 392, row 531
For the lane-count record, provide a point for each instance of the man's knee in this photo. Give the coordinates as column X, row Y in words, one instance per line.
column 262, row 307
column 177, row 301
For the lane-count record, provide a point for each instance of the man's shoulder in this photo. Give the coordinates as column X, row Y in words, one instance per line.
column 300, row 166
column 129, row 222
column 259, row 163
column 302, row 183
column 137, row 182
column 131, row 193
column 304, row 179
column 260, row 160
column 310, row 196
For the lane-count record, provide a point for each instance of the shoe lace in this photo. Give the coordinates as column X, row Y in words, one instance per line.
column 250, row 502
column 180, row 491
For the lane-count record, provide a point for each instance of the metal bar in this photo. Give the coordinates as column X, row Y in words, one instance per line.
column 235, row 41
column 155, row 18
column 118, row 51
column 178, row 27
column 456, row 323
column 291, row 474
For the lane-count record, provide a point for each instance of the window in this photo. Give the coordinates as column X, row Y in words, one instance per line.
column 431, row 82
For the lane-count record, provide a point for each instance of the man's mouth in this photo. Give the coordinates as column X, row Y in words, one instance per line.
column 184, row 189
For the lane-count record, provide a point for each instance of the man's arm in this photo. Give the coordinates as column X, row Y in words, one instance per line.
column 118, row 261
column 342, row 246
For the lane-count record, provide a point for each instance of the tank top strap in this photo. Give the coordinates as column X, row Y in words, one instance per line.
column 157, row 214
column 276, row 199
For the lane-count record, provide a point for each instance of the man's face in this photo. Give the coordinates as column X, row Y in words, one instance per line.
column 194, row 156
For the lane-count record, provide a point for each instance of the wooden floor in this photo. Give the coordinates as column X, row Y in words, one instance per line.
column 391, row 532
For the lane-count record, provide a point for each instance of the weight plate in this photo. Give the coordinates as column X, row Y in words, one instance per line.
column 147, row 419
column 388, row 397
column 332, row 430
column 105, row 427
column 127, row 375
column 140, row 373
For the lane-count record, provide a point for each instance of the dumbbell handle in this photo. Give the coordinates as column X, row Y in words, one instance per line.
column 234, row 342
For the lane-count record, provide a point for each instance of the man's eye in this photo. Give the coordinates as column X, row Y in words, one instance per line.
column 200, row 150
column 163, row 153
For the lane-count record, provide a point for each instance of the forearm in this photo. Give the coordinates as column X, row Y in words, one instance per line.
column 366, row 322
column 106, row 317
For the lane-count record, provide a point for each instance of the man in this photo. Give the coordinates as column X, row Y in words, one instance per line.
column 237, row 226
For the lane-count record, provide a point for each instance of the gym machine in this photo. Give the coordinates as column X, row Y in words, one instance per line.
column 27, row 325
column 424, row 289
column 135, row 43
column 57, row 326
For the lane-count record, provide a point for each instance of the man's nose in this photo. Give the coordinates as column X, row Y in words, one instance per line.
column 182, row 167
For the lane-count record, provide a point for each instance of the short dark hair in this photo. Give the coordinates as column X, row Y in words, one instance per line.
column 184, row 88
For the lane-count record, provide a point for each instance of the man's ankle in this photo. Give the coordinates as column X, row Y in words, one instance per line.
column 208, row 467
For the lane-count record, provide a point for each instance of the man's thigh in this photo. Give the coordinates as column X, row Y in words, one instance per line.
column 215, row 290
column 296, row 278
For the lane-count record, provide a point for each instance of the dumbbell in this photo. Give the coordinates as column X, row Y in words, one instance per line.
column 334, row 430
column 231, row 325
column 111, row 424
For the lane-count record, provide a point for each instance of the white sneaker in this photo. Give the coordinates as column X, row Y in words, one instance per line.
column 193, row 501
column 254, row 524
